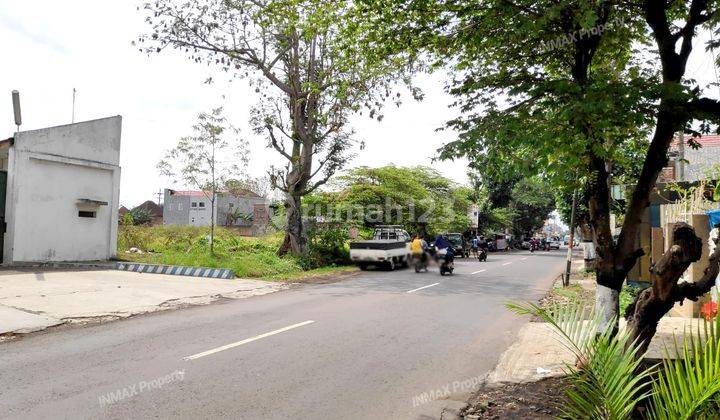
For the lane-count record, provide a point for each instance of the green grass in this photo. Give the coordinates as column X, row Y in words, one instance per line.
column 188, row 246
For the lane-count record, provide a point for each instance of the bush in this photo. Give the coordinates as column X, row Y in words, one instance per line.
column 327, row 247
column 140, row 216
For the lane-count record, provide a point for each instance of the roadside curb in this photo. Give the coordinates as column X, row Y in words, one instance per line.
column 176, row 270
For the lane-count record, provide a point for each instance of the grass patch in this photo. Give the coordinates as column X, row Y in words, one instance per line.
column 188, row 246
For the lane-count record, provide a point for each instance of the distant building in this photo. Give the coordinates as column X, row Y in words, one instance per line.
column 59, row 192
column 240, row 208
column 688, row 164
column 122, row 211
column 154, row 210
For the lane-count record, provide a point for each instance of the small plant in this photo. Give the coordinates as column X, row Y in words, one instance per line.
column 140, row 216
column 608, row 381
column 709, row 310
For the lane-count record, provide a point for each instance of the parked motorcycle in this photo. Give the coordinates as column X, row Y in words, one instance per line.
column 482, row 254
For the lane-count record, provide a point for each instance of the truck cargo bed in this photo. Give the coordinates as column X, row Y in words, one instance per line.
column 377, row 244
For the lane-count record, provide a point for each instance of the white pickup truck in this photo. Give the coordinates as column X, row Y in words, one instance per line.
column 389, row 248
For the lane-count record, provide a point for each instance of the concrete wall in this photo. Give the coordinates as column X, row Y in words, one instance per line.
column 176, row 209
column 245, row 204
column 50, row 173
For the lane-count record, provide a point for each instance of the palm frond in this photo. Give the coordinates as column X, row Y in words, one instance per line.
column 607, row 385
column 690, row 387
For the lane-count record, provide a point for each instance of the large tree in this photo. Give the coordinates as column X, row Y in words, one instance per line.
column 563, row 88
column 419, row 198
column 308, row 72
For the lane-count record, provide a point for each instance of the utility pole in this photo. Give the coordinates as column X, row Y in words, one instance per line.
column 566, row 278
column 159, row 194
column 680, row 176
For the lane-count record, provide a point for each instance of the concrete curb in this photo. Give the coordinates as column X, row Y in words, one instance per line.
column 176, row 270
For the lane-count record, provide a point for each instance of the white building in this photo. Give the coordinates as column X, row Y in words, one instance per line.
column 60, row 189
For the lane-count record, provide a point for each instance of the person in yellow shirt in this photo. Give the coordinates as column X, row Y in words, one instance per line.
column 417, row 248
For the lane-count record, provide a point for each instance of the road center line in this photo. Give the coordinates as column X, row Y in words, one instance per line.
column 424, row 287
column 507, row 263
column 247, row 340
column 479, row 271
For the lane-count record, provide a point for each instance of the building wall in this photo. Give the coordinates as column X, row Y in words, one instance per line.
column 50, row 172
column 700, row 161
column 183, row 210
column 244, row 204
column 176, row 209
column 200, row 211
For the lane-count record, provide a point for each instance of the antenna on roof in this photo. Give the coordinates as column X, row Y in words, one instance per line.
column 16, row 108
column 73, row 107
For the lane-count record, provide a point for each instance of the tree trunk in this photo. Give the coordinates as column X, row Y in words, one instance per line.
column 295, row 241
column 654, row 302
column 588, row 243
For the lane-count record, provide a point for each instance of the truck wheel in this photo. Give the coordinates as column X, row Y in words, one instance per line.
column 391, row 264
column 363, row 266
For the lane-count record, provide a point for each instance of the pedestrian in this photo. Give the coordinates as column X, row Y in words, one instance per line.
column 474, row 246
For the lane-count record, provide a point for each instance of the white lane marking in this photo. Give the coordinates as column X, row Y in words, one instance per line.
column 424, row 287
column 523, row 259
column 479, row 271
column 247, row 340
column 507, row 263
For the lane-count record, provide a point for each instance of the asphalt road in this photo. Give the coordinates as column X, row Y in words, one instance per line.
column 382, row 345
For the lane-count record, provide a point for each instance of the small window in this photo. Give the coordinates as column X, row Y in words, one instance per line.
column 202, row 204
column 84, row 213
column 193, row 204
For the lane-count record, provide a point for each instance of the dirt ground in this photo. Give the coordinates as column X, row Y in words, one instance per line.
column 535, row 400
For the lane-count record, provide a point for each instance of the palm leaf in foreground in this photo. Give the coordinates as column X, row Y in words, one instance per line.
column 606, row 386
column 689, row 387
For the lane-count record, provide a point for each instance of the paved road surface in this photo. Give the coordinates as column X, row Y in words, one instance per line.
column 364, row 348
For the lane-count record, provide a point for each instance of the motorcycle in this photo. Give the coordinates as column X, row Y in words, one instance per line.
column 445, row 261
column 482, row 254
column 446, row 267
column 533, row 246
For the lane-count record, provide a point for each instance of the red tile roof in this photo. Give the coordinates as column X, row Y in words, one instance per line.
column 704, row 141
column 190, row 193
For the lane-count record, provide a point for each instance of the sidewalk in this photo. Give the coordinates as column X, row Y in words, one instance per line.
column 537, row 354
column 32, row 301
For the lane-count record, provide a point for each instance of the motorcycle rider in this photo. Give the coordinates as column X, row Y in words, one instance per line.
column 445, row 249
column 417, row 248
